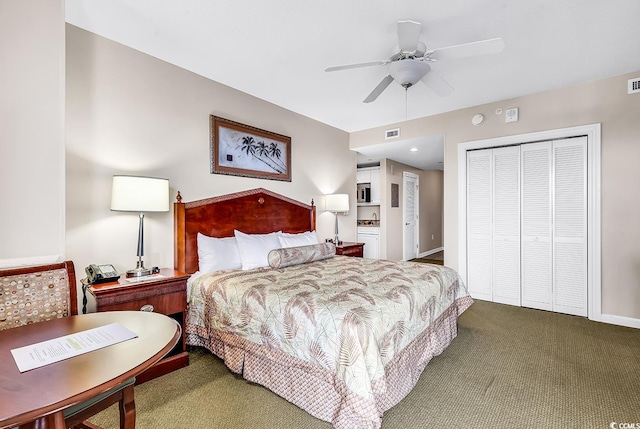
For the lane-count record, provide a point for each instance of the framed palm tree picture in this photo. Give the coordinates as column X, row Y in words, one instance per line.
column 243, row 150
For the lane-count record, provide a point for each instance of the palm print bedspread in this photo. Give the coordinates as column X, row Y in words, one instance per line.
column 349, row 315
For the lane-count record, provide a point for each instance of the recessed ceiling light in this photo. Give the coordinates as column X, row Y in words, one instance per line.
column 413, row 149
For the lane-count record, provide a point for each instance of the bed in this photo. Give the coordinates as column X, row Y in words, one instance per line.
column 343, row 338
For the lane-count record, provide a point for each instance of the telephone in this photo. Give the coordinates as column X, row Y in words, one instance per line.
column 101, row 273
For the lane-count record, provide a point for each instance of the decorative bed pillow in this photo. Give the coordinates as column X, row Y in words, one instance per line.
column 254, row 248
column 296, row 240
column 280, row 258
column 215, row 254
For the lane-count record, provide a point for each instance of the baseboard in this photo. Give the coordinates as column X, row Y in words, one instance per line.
column 620, row 320
column 430, row 252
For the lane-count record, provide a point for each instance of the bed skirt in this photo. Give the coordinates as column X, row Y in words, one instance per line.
column 316, row 389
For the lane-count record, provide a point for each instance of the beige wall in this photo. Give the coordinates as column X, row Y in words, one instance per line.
column 31, row 131
column 604, row 101
column 129, row 113
column 431, row 209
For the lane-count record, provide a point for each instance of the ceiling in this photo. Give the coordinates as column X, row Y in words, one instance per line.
column 425, row 153
column 278, row 50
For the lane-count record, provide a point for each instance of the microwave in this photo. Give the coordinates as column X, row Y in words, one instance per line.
column 364, row 192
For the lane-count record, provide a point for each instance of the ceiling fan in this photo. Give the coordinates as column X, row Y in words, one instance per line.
column 409, row 62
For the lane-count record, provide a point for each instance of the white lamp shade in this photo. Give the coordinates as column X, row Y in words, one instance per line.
column 408, row 72
column 139, row 194
column 337, row 203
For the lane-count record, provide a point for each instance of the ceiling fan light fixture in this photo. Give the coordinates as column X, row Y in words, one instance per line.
column 408, row 72
column 409, row 61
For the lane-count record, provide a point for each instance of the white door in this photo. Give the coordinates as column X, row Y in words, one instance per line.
column 554, row 225
column 506, row 225
column 410, row 210
column 536, row 226
column 570, row 226
column 479, row 224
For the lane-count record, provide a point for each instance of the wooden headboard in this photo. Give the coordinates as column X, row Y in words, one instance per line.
column 257, row 211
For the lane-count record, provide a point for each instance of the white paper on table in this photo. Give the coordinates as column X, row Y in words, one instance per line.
column 57, row 349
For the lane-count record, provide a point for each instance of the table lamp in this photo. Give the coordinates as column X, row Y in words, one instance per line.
column 337, row 203
column 139, row 194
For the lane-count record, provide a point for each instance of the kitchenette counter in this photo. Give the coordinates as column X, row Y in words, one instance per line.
column 367, row 222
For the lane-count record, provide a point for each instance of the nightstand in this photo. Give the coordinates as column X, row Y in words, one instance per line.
column 165, row 293
column 347, row 248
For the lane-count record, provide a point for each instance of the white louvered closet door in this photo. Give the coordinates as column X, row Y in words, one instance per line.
column 506, row 225
column 479, row 224
column 536, row 226
column 570, row 226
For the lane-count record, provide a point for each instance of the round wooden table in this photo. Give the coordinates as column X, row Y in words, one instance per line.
column 40, row 395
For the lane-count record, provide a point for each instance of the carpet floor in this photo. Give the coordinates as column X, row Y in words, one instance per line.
column 435, row 258
column 428, row 261
column 509, row 367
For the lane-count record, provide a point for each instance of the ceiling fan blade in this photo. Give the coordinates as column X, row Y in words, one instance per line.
column 408, row 35
column 384, row 83
column 437, row 84
column 481, row 47
column 355, row 66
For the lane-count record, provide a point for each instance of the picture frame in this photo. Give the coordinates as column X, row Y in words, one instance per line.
column 242, row 150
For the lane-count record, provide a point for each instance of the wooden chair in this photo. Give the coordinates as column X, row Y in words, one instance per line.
column 39, row 293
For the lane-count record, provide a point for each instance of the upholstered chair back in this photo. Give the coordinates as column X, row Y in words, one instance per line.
column 35, row 294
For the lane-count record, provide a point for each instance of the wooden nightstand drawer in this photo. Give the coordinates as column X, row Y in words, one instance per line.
column 350, row 249
column 166, row 304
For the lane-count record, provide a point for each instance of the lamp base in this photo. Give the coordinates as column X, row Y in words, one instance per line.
column 139, row 271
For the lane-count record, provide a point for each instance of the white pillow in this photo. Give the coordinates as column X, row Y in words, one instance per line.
column 215, row 254
column 297, row 240
column 255, row 248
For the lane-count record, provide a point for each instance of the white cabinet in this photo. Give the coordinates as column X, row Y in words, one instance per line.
column 363, row 175
column 370, row 175
column 370, row 236
column 375, row 185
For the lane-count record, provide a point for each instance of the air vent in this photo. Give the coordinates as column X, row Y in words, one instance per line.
column 634, row 85
column 392, row 134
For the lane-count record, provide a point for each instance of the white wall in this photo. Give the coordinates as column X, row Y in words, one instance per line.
column 129, row 113
column 31, row 131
